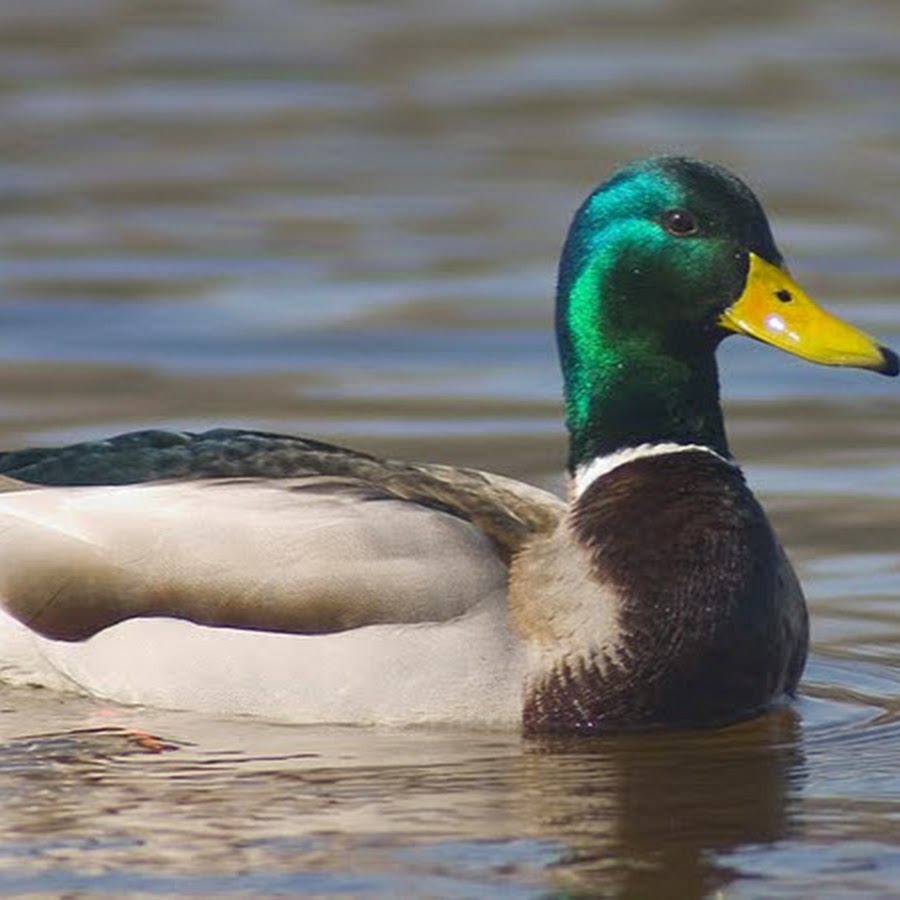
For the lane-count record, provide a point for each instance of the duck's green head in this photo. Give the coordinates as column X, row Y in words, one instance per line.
column 661, row 262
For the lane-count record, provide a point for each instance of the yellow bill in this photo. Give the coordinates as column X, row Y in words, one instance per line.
column 773, row 308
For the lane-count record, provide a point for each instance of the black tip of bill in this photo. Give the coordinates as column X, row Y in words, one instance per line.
column 891, row 364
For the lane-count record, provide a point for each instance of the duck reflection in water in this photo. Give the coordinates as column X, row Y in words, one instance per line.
column 664, row 815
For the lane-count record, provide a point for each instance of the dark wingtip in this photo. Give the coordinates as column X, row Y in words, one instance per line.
column 891, row 365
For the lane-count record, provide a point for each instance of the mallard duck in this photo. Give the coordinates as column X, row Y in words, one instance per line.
column 242, row 572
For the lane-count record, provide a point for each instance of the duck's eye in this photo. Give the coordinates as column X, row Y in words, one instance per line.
column 680, row 222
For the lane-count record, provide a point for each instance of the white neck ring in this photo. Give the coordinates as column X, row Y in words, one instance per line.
column 588, row 472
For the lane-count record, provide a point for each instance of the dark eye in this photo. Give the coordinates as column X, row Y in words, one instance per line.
column 680, row 222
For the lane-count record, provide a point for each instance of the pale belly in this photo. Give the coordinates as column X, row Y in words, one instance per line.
column 469, row 670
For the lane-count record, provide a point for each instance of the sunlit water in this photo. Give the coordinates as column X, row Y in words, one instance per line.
column 342, row 219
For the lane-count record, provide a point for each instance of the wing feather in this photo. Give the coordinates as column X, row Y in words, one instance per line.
column 284, row 555
column 251, row 530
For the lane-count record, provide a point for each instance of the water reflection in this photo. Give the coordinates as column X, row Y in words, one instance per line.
column 635, row 815
column 644, row 813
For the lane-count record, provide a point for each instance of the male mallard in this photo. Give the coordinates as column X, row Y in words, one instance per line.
column 243, row 572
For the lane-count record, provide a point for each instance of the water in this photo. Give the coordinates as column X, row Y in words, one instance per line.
column 343, row 219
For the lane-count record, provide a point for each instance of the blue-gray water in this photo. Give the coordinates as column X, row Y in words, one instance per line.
column 343, row 219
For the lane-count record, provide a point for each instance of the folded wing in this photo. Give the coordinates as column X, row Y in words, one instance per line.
column 359, row 542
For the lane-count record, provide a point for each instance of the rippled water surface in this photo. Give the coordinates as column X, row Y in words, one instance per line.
column 342, row 219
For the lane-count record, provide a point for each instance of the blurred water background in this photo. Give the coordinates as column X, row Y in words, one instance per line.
column 342, row 218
